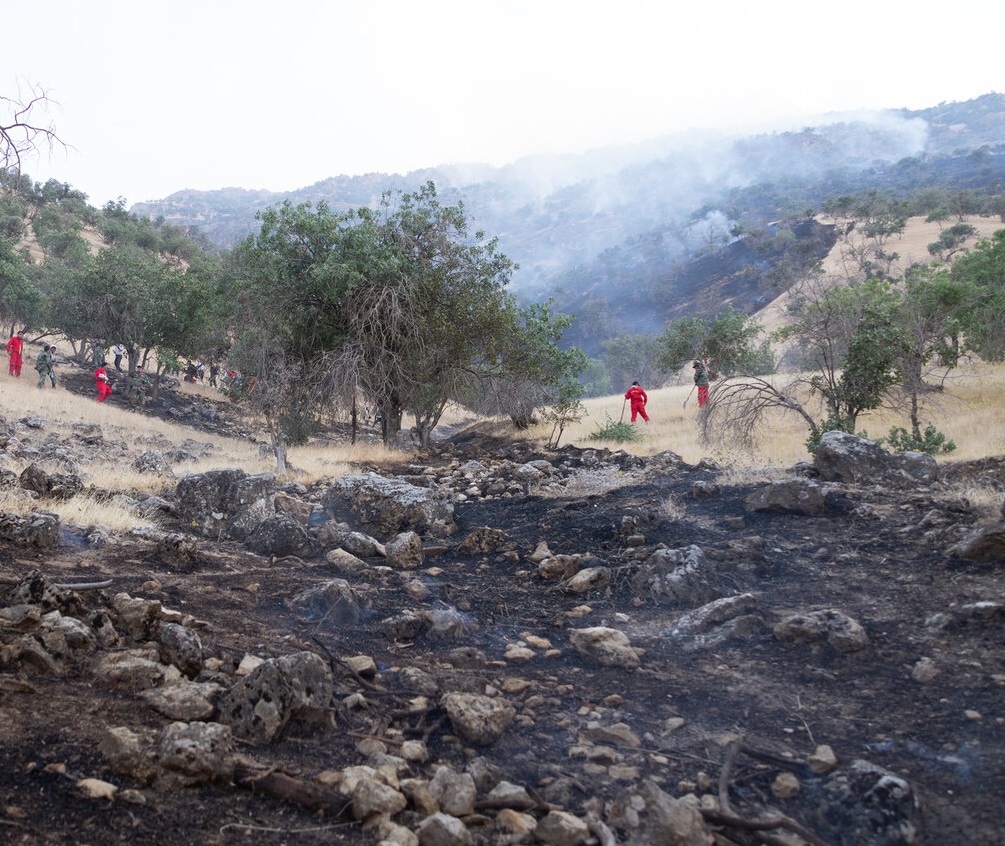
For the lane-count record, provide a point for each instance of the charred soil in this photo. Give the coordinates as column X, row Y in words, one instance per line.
column 583, row 731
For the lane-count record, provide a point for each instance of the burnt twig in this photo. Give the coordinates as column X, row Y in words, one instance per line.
column 728, row 816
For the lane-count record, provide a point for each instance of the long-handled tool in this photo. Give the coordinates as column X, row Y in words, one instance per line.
column 689, row 396
column 622, row 417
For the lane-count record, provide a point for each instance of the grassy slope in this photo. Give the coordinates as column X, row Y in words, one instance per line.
column 970, row 412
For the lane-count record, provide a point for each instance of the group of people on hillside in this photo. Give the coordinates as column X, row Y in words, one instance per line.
column 639, row 399
column 45, row 366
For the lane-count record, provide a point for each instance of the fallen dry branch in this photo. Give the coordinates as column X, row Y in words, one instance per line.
column 729, row 817
column 524, row 805
column 277, row 785
column 75, row 586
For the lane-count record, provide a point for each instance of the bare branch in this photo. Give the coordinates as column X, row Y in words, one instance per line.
column 20, row 133
column 736, row 409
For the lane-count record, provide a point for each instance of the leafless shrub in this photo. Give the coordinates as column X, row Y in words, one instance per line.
column 738, row 409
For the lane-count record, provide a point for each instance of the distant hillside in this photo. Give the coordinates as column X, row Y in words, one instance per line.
column 620, row 236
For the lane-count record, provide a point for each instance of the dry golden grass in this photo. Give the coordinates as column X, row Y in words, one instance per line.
column 971, row 412
column 911, row 247
column 127, row 433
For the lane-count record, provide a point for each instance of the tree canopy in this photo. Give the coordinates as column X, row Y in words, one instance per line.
column 401, row 307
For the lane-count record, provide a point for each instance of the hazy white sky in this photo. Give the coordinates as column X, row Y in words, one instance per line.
column 155, row 97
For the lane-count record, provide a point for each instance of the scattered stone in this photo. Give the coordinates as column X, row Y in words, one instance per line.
column 197, row 753
column 823, row 760
column 281, row 694
column 454, row 792
column 558, row 567
column 793, row 496
column 333, row 603
column 481, row 541
column 281, row 535
column 607, row 646
column 560, row 828
column 182, row 648
column 652, row 816
column 591, row 578
column 924, row 670
column 619, row 734
column 95, row 788
column 478, row 719
column 183, row 701
column 404, row 551
column 373, row 798
column 441, row 829
column 838, row 629
column 785, row 786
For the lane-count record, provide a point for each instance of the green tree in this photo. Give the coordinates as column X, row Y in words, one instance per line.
column 631, row 357
column 730, row 343
column 850, row 340
column 400, row 306
column 849, row 337
column 530, row 372
column 130, row 295
column 20, row 300
column 951, row 241
column 983, row 323
column 929, row 319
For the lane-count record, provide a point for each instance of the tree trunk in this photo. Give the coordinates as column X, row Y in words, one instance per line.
column 390, row 420
column 426, row 422
column 278, row 443
column 915, row 422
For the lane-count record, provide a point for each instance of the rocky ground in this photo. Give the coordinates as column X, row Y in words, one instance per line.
column 493, row 644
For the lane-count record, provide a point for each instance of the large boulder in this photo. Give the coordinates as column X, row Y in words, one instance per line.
column 682, row 576
column 51, row 485
column 333, row 603
column 843, row 457
column 225, row 503
column 387, row 507
column 791, row 496
column 842, row 632
column 40, row 529
column 282, row 535
column 984, row 544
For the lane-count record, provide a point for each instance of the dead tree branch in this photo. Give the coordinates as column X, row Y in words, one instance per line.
column 20, row 133
column 727, row 816
column 737, row 408
column 277, row 785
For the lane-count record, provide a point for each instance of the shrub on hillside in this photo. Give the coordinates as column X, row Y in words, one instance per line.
column 611, row 431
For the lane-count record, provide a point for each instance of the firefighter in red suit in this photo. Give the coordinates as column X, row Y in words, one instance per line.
column 15, row 348
column 701, row 382
column 639, row 399
column 101, row 381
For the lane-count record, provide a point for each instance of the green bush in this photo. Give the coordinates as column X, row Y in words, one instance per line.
column 932, row 441
column 612, row 431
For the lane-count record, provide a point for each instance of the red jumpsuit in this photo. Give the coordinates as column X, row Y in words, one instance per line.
column 101, row 380
column 15, row 346
column 639, row 400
